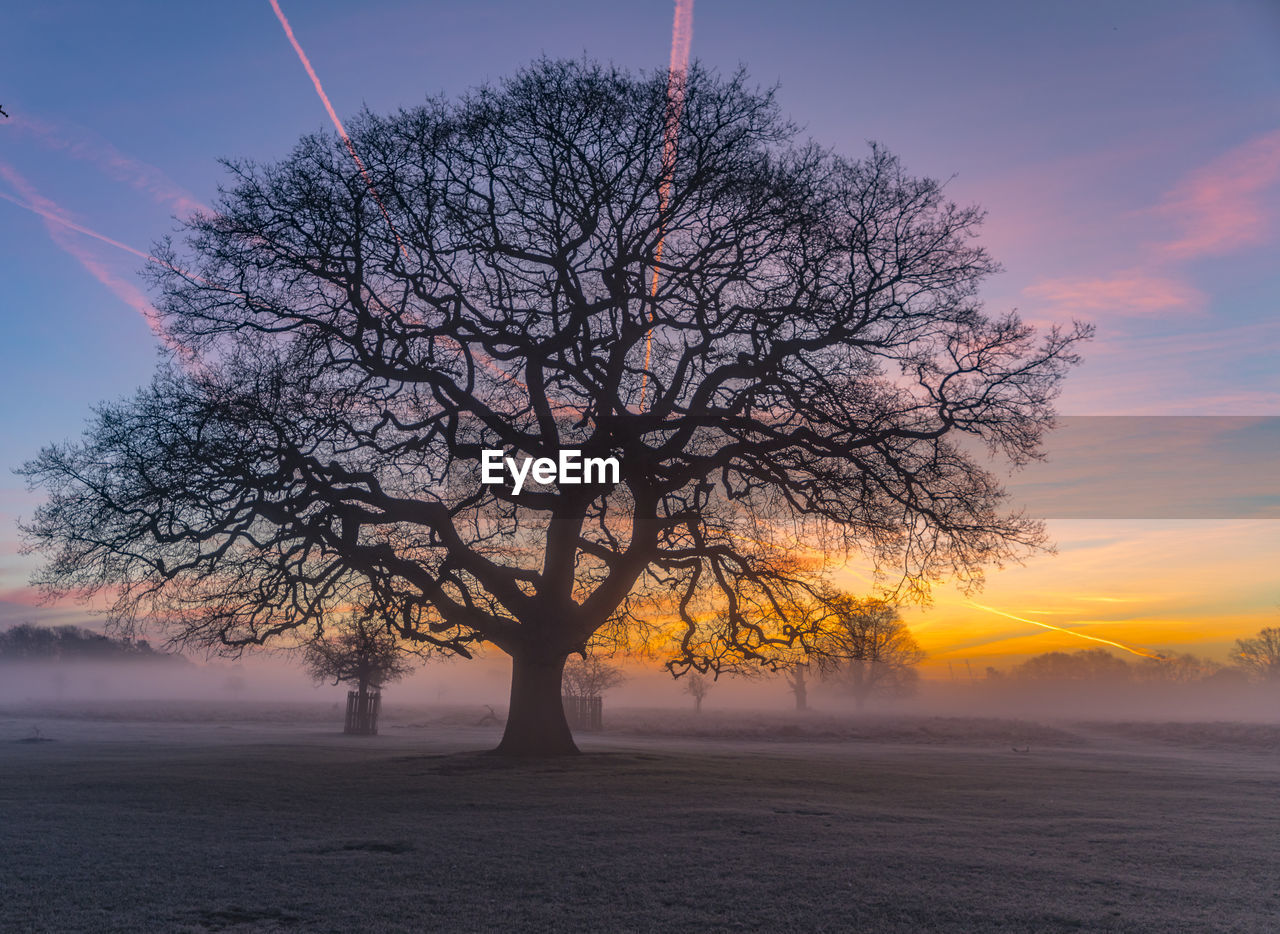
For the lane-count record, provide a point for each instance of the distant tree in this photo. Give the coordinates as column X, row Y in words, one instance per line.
column 1083, row 665
column 863, row 645
column 698, row 686
column 590, row 676
column 1260, row 655
column 797, row 679
column 1184, row 668
column 771, row 340
column 362, row 651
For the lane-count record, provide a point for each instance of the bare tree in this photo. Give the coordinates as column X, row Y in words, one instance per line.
column 361, row 651
column 1260, row 655
column 698, row 686
column 774, row 342
column 590, row 676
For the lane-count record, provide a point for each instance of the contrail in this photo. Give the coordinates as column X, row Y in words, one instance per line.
column 72, row 225
column 1143, row 653
column 54, row 215
column 333, row 115
column 677, row 70
column 82, row 144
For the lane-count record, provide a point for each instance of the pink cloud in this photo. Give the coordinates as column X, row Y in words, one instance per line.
column 1130, row 292
column 22, row 596
column 1221, row 207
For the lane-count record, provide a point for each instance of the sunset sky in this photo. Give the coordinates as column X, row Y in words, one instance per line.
column 1128, row 154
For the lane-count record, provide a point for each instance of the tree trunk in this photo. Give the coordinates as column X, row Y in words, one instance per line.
column 536, row 724
column 697, row 703
column 801, row 688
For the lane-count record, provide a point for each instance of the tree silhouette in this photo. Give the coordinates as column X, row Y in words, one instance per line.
column 1096, row 664
column 698, row 686
column 1259, row 656
column 27, row 642
column 864, row 645
column 361, row 651
column 351, row 342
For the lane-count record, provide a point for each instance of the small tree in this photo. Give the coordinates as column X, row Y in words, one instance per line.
column 362, row 652
column 590, row 676
column 698, row 686
column 1260, row 656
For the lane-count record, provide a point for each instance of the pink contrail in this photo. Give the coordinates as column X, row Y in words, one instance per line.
column 333, row 115
column 78, row 228
column 681, row 39
column 52, row 212
column 54, row 215
column 58, row 223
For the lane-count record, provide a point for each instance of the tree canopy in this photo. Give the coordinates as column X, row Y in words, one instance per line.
column 782, row 347
column 361, row 650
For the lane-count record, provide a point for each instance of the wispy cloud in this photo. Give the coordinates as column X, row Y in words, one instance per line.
column 1216, row 209
column 1129, row 292
column 1221, row 207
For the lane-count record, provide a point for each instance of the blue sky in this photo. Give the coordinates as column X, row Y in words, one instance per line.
column 1128, row 154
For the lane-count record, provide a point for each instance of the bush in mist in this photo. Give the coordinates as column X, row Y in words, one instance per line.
column 1100, row 665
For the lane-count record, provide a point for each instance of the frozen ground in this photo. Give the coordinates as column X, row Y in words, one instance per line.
column 171, row 817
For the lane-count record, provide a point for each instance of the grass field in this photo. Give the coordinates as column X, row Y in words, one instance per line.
column 211, row 821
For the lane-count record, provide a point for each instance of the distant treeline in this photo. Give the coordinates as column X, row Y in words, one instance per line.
column 30, row 643
column 1100, row 665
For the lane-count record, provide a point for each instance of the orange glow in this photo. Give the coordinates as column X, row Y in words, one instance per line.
column 1079, row 635
column 1168, row 586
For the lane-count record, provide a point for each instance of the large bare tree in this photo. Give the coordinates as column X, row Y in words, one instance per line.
column 794, row 364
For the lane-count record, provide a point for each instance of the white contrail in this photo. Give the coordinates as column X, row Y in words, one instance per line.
column 1144, row 653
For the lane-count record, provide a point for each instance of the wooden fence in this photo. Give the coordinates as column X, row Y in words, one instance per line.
column 362, row 713
column 584, row 713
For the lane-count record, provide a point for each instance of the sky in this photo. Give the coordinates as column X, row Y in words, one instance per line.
column 1127, row 154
